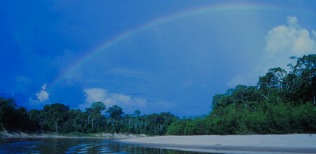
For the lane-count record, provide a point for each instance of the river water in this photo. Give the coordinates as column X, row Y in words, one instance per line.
column 75, row 145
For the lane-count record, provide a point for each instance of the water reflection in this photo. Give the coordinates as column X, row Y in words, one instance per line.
column 79, row 145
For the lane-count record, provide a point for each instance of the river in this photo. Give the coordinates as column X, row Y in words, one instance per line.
column 75, row 145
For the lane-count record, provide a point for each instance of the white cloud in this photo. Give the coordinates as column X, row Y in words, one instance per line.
column 95, row 95
column 43, row 95
column 285, row 41
column 282, row 42
column 110, row 99
column 291, row 39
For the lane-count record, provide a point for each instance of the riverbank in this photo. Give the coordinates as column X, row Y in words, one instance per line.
column 291, row 143
column 109, row 136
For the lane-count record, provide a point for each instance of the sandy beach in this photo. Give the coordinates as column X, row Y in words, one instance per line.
column 292, row 143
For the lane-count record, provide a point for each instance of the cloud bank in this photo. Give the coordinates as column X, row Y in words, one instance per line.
column 109, row 99
column 290, row 39
column 281, row 42
column 285, row 41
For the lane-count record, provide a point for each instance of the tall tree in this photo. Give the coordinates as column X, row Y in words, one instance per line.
column 7, row 113
column 94, row 114
column 306, row 69
column 273, row 79
column 115, row 112
column 115, row 118
column 55, row 114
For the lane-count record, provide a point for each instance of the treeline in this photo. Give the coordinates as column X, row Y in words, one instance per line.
column 58, row 118
column 282, row 102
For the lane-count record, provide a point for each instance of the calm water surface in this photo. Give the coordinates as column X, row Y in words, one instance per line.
column 82, row 145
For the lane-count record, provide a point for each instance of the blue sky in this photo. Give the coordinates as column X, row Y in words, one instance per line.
column 153, row 56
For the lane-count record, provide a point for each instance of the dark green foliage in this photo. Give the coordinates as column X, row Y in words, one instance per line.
column 115, row 112
column 281, row 103
column 197, row 126
column 58, row 118
column 55, row 115
column 14, row 118
column 7, row 109
column 158, row 123
column 94, row 117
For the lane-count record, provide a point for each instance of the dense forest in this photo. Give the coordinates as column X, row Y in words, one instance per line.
column 281, row 102
column 58, row 118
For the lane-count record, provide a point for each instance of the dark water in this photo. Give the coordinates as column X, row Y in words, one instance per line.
column 93, row 146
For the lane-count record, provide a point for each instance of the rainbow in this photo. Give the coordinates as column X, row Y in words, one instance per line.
column 156, row 22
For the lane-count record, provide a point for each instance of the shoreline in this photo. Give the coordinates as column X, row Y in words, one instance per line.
column 289, row 143
column 107, row 136
column 285, row 143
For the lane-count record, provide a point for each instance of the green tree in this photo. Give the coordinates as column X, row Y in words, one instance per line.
column 38, row 119
column 306, row 68
column 7, row 116
column 115, row 118
column 273, row 79
column 94, row 115
column 115, row 112
column 55, row 115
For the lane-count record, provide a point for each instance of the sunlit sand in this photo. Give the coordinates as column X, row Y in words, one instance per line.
column 293, row 143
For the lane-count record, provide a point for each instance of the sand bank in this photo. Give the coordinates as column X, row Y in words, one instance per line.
column 109, row 136
column 292, row 143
